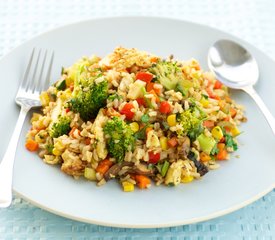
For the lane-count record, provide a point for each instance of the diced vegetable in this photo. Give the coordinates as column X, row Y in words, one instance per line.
column 206, row 143
column 61, row 85
column 104, row 166
column 90, row 174
column 127, row 111
column 164, row 168
column 135, row 90
column 222, row 154
column 163, row 143
column 187, row 179
column 134, row 126
column 217, row 132
column 142, row 181
column 208, row 123
column 128, row 186
column 144, row 76
column 217, row 85
column 172, row 120
column 165, row 107
column 204, row 157
column 172, row 142
column 31, row 145
column 235, row 131
column 153, row 157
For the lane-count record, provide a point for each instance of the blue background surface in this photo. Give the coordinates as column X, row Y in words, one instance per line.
column 252, row 20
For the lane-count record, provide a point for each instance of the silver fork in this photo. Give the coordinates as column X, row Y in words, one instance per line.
column 27, row 97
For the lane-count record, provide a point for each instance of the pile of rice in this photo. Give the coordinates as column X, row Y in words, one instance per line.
column 84, row 147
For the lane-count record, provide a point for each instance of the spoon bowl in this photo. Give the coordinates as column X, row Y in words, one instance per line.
column 236, row 68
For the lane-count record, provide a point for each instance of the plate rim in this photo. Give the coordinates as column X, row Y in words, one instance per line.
column 170, row 224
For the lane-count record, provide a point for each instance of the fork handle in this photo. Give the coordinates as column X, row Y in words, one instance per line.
column 6, row 166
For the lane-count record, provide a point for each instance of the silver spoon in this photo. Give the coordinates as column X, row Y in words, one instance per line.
column 236, row 68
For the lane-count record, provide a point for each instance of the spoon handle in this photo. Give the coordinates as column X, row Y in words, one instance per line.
column 268, row 116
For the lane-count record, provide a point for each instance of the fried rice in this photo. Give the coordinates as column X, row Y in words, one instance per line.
column 137, row 118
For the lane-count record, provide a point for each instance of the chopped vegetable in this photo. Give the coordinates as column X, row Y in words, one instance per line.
column 164, row 168
column 31, row 145
column 128, row 187
column 172, row 120
column 142, row 181
column 153, row 157
column 187, row 179
column 60, row 127
column 144, row 76
column 120, row 138
column 165, row 107
column 167, row 73
column 172, row 142
column 90, row 174
column 103, row 166
column 87, row 103
column 127, row 111
column 217, row 132
column 206, row 143
column 163, row 143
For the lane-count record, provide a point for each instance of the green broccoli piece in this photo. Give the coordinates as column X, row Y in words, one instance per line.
column 167, row 73
column 90, row 99
column 120, row 138
column 60, row 127
column 191, row 121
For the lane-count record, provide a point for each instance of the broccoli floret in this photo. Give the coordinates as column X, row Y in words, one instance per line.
column 191, row 121
column 120, row 138
column 90, row 99
column 60, row 127
column 167, row 73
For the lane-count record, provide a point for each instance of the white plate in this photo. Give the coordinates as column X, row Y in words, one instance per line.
column 237, row 183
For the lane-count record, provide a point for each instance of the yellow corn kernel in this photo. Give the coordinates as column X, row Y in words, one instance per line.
column 235, row 131
column 217, row 132
column 128, row 187
column 44, row 99
column 171, row 120
column 56, row 152
column 187, row 179
column 134, row 126
column 204, row 102
column 163, row 143
column 59, row 145
column 204, row 157
column 35, row 117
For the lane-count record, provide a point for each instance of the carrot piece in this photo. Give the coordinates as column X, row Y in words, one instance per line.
column 217, row 85
column 172, row 142
column 155, row 95
column 208, row 123
column 204, row 157
column 221, row 146
column 103, row 166
column 142, row 181
column 154, row 59
column 31, row 145
column 233, row 112
column 150, row 86
column 222, row 155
